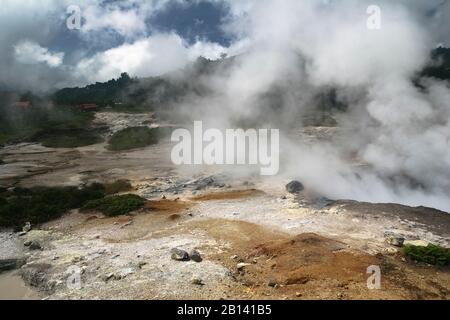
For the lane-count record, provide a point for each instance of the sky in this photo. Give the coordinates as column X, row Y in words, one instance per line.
column 151, row 37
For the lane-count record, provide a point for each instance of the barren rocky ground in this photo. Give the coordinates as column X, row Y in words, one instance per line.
column 256, row 240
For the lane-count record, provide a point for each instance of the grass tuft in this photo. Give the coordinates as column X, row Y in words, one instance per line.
column 116, row 205
column 134, row 138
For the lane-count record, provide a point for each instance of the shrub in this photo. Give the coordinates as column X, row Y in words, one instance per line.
column 116, row 205
column 134, row 137
column 42, row 204
column 432, row 254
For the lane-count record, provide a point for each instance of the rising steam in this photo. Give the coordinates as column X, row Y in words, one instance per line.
column 393, row 142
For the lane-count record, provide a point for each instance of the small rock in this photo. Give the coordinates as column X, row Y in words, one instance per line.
column 126, row 225
column 298, row 294
column 35, row 245
column 295, row 187
column 27, row 243
column 393, row 239
column 108, row 277
column 237, row 258
column 396, row 242
column 179, row 255
column 124, row 273
column 241, row 266
column 273, row 283
column 390, row 251
column 194, row 255
column 27, row 227
column 141, row 264
column 198, row 282
column 83, row 269
column 77, row 259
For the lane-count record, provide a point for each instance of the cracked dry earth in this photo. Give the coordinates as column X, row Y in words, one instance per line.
column 285, row 250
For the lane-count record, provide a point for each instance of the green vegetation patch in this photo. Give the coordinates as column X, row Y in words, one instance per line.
column 432, row 254
column 133, row 138
column 42, row 204
column 116, row 205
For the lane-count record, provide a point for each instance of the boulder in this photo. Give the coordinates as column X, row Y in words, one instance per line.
column 194, row 255
column 35, row 245
column 37, row 275
column 179, row 255
column 295, row 187
column 394, row 239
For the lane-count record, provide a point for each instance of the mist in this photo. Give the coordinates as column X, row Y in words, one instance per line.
column 391, row 144
column 391, row 141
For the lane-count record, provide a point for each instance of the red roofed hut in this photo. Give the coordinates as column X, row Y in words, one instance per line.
column 88, row 107
column 22, row 104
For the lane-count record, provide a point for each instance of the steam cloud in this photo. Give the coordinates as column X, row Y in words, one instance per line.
column 397, row 131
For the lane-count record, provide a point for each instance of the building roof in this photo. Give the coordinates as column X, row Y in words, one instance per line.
column 88, row 106
column 22, row 104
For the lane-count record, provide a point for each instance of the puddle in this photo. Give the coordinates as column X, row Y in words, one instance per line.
column 12, row 287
